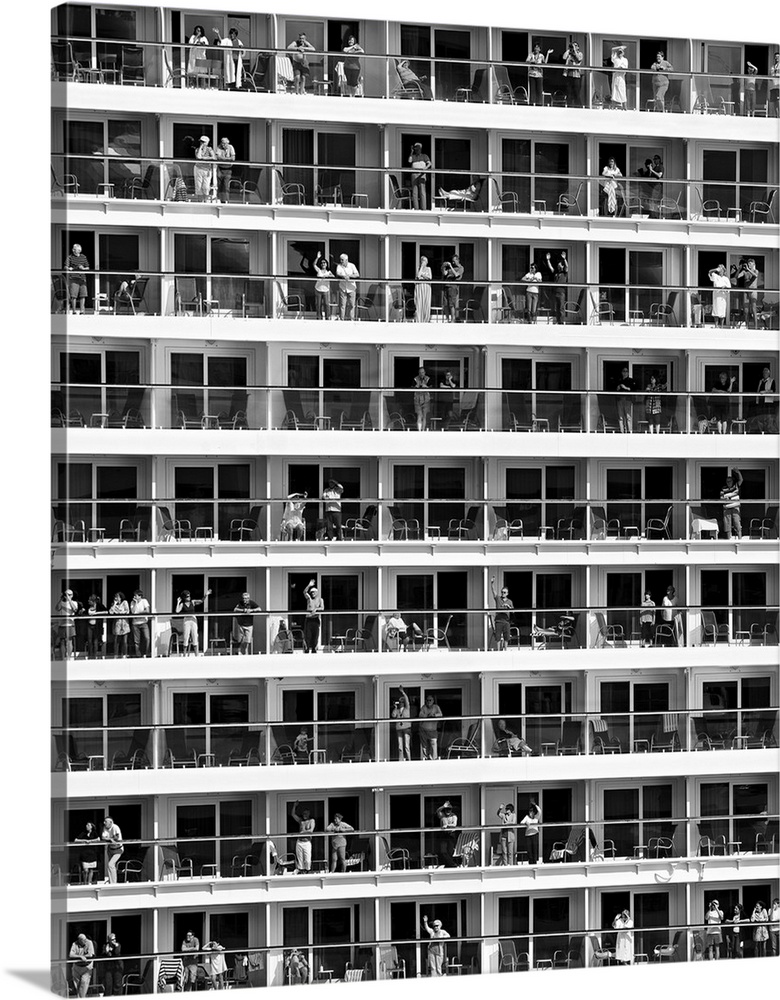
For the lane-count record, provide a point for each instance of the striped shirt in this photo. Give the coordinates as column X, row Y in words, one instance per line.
column 76, row 262
column 730, row 494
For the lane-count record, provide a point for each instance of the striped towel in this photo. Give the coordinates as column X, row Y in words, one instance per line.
column 599, row 725
column 171, row 971
column 670, row 722
column 284, row 70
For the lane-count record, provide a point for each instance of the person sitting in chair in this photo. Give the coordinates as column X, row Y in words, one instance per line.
column 561, row 630
column 507, row 742
column 410, row 80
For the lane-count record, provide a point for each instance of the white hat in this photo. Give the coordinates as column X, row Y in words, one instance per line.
column 205, row 138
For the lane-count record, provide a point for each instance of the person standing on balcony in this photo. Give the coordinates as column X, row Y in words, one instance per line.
column 352, row 66
column 347, row 273
column 660, row 80
column 203, row 171
column 760, row 917
column 720, row 405
column 422, row 399
column 226, row 154
column 301, row 746
column 140, row 609
column 713, row 936
column 572, row 58
column 436, row 950
column 75, row 263
column 197, row 60
column 670, row 614
column 403, row 728
column 422, row 292
column 729, row 495
column 774, row 927
column 293, row 528
column 654, row 403
column 734, row 934
column 120, row 627
column 332, row 496
column 502, row 621
column 112, row 836
column 67, row 608
column 311, row 624
column 322, row 287
column 452, row 272
column 625, row 402
column 430, row 713
column 448, row 822
column 507, row 837
column 113, row 970
column 449, row 401
column 619, row 61
column 613, row 190
column 190, row 945
column 94, row 611
column 88, row 855
column 560, row 277
column 747, row 275
column 531, row 822
column 749, row 84
column 624, row 939
column 535, row 74
column 186, row 604
column 720, row 297
column 773, row 103
column 420, row 163
column 532, row 281
column 244, row 623
column 233, row 74
column 647, row 619
column 338, row 844
column 300, row 50
column 82, row 954
column 303, row 843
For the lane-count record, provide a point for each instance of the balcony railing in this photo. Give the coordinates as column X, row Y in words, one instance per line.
column 365, row 631
column 245, row 296
column 245, row 182
column 117, row 748
column 524, row 523
column 248, row 407
column 303, row 961
column 418, row 848
column 258, row 70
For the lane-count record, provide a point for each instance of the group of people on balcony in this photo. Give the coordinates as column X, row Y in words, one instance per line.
column 744, row 276
column 720, row 930
column 200, row 68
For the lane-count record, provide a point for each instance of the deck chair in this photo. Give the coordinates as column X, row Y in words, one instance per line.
column 507, row 952
column 68, row 185
column 567, row 202
column 64, row 64
column 712, row 630
column 467, row 746
column 400, row 197
column 570, row 741
column 567, row 850
column 437, row 636
column 663, row 742
column 189, row 300
column 763, row 211
column 395, row 857
column 506, row 201
column 765, row 527
column 358, row 528
column 390, row 965
column 353, row 975
column 660, row 528
column 710, row 207
column 609, row 635
column 291, row 192
column 131, row 67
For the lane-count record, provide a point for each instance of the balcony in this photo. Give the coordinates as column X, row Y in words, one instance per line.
column 270, row 70
column 364, row 408
column 506, row 194
column 269, row 743
column 310, row 961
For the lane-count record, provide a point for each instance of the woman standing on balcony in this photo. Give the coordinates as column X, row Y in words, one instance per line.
column 720, row 298
column 422, row 399
column 120, row 628
column 535, row 75
column 760, row 917
column 611, row 187
column 352, row 66
column 619, row 61
column 205, row 176
column 422, row 292
column 322, row 287
column 234, row 61
column 95, row 610
column 624, row 942
column 311, row 623
column 196, row 63
column 654, row 403
column 531, row 822
column 88, row 855
column 713, row 937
